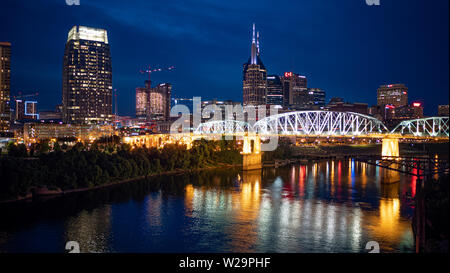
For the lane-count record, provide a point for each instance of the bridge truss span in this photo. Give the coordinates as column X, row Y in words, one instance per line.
column 432, row 126
column 223, row 127
column 320, row 123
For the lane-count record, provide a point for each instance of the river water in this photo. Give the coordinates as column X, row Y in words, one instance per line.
column 324, row 206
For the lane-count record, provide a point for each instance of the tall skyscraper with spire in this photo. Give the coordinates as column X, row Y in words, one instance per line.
column 254, row 75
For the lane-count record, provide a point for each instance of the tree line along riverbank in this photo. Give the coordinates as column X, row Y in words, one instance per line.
column 83, row 167
column 59, row 168
column 51, row 169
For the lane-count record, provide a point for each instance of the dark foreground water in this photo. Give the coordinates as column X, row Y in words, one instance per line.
column 328, row 206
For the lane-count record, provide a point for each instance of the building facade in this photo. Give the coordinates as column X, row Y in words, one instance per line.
column 26, row 110
column 35, row 132
column 317, row 97
column 413, row 111
column 153, row 104
column 142, row 98
column 443, row 110
column 5, row 86
column 254, row 76
column 51, row 116
column 294, row 89
column 361, row 108
column 87, row 77
column 274, row 90
column 160, row 101
column 392, row 94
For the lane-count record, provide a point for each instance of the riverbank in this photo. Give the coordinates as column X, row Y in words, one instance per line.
column 60, row 173
column 82, row 168
column 45, row 192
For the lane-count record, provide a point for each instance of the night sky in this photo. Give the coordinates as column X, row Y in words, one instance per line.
column 343, row 46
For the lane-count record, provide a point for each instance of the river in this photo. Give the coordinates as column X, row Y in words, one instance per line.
column 324, row 206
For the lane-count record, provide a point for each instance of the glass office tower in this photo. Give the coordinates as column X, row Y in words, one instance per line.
column 87, row 77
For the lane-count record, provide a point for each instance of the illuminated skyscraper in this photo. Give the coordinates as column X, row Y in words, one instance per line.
column 160, row 101
column 5, row 86
column 255, row 76
column 393, row 94
column 294, row 88
column 153, row 104
column 142, row 101
column 87, row 77
column 274, row 90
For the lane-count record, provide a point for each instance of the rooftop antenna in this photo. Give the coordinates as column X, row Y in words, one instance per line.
column 253, row 36
column 257, row 42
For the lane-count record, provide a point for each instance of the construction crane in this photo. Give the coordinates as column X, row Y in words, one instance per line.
column 20, row 96
column 150, row 71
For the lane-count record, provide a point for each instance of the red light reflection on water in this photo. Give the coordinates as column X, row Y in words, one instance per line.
column 301, row 179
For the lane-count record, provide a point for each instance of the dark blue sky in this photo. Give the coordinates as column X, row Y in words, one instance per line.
column 343, row 46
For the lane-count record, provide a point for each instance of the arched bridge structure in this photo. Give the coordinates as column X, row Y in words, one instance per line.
column 306, row 123
column 330, row 124
column 327, row 123
column 424, row 127
column 320, row 123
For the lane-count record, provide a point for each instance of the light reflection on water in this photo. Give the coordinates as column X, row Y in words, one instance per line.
column 327, row 206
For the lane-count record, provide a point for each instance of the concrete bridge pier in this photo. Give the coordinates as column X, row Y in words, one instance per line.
column 251, row 152
column 390, row 147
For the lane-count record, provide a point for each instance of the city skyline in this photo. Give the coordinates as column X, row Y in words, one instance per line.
column 293, row 47
column 201, row 130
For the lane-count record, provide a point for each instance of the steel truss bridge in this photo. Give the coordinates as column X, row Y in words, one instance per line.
column 328, row 124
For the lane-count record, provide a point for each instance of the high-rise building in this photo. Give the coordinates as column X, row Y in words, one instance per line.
column 153, row 104
column 254, row 76
column 308, row 99
column 5, row 86
column 392, row 94
column 26, row 110
column 316, row 97
column 160, row 101
column 274, row 90
column 294, row 89
column 87, row 77
column 142, row 101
